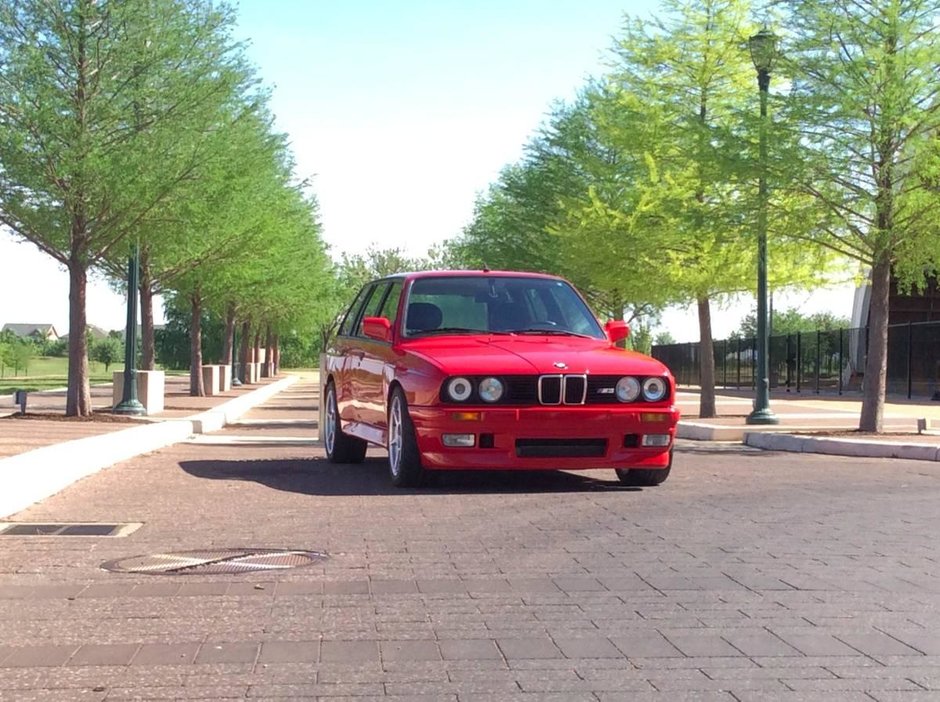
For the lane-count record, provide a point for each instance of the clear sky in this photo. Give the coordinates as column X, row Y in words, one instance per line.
column 401, row 112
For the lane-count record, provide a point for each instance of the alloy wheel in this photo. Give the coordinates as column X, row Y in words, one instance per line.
column 395, row 437
column 329, row 431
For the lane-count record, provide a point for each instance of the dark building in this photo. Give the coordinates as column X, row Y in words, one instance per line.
column 923, row 306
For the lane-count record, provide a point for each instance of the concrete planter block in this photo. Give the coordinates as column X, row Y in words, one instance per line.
column 225, row 377
column 210, row 379
column 151, row 389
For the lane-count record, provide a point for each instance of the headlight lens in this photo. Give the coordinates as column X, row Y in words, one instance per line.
column 491, row 389
column 628, row 389
column 655, row 389
column 459, row 389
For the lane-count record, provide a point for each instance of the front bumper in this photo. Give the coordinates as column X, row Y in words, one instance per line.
column 614, row 434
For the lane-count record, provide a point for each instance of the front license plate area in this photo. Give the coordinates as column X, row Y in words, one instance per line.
column 561, row 448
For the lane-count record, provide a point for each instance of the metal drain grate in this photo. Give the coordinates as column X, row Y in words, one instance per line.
column 66, row 529
column 223, row 561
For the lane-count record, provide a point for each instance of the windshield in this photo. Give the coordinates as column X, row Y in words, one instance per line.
column 497, row 305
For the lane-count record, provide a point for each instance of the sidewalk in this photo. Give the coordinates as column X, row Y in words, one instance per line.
column 44, row 452
column 813, row 423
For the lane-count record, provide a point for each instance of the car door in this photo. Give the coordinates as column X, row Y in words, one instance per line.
column 361, row 361
column 377, row 359
column 344, row 361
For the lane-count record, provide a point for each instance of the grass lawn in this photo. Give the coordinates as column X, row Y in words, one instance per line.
column 46, row 373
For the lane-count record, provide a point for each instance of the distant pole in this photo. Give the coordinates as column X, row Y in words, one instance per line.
column 129, row 402
column 236, row 383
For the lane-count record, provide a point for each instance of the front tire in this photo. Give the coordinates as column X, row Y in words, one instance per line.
column 645, row 477
column 340, row 447
column 404, row 460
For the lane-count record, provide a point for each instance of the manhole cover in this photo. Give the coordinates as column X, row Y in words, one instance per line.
column 215, row 561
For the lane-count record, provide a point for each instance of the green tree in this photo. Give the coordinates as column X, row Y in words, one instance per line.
column 663, row 339
column 6, row 356
column 674, row 209
column 668, row 202
column 102, row 110
column 865, row 94
column 22, row 352
column 792, row 321
column 107, row 351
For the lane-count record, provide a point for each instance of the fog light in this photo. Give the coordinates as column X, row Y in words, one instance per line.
column 655, row 440
column 463, row 440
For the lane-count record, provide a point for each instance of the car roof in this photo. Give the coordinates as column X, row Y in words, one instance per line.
column 478, row 273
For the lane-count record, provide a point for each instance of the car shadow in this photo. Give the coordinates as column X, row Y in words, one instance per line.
column 317, row 476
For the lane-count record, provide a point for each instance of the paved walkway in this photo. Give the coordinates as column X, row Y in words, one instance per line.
column 747, row 577
column 817, row 424
column 44, row 451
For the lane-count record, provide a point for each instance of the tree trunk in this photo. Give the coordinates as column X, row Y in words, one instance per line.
column 268, row 353
column 78, row 395
column 277, row 354
column 145, row 286
column 876, row 365
column 229, row 341
column 196, row 388
column 706, row 406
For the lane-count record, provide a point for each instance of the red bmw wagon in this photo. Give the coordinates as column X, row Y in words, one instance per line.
column 492, row 370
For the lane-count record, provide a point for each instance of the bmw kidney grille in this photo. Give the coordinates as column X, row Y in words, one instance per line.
column 562, row 389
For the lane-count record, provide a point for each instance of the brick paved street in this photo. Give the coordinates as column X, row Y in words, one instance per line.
column 747, row 576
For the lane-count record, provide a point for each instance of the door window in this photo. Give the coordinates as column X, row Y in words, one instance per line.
column 390, row 306
column 352, row 314
column 373, row 305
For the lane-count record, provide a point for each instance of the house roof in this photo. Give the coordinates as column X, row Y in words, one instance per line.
column 91, row 330
column 42, row 330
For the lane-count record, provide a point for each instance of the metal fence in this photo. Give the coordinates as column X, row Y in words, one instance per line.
column 819, row 361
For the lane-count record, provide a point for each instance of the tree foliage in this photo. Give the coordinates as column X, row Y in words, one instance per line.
column 865, row 94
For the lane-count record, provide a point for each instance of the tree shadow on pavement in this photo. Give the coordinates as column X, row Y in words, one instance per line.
column 320, row 477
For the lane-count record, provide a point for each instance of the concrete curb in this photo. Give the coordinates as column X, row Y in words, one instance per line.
column 32, row 476
column 700, row 431
column 842, row 447
column 218, row 417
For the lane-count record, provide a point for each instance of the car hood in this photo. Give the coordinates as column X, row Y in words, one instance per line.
column 525, row 355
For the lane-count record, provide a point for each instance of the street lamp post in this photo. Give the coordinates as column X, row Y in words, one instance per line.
column 763, row 46
column 129, row 403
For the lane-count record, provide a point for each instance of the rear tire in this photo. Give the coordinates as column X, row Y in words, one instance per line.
column 404, row 459
column 645, row 477
column 340, row 447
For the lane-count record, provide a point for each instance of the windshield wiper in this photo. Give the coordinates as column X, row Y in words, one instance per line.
column 555, row 332
column 456, row 330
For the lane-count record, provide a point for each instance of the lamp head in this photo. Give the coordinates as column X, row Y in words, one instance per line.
column 763, row 46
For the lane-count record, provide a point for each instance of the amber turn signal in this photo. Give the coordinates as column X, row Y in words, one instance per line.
column 654, row 417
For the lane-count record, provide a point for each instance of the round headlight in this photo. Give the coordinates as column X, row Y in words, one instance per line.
column 459, row 389
column 491, row 389
column 655, row 389
column 628, row 389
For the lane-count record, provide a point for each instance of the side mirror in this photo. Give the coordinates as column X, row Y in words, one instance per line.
column 617, row 330
column 378, row 328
